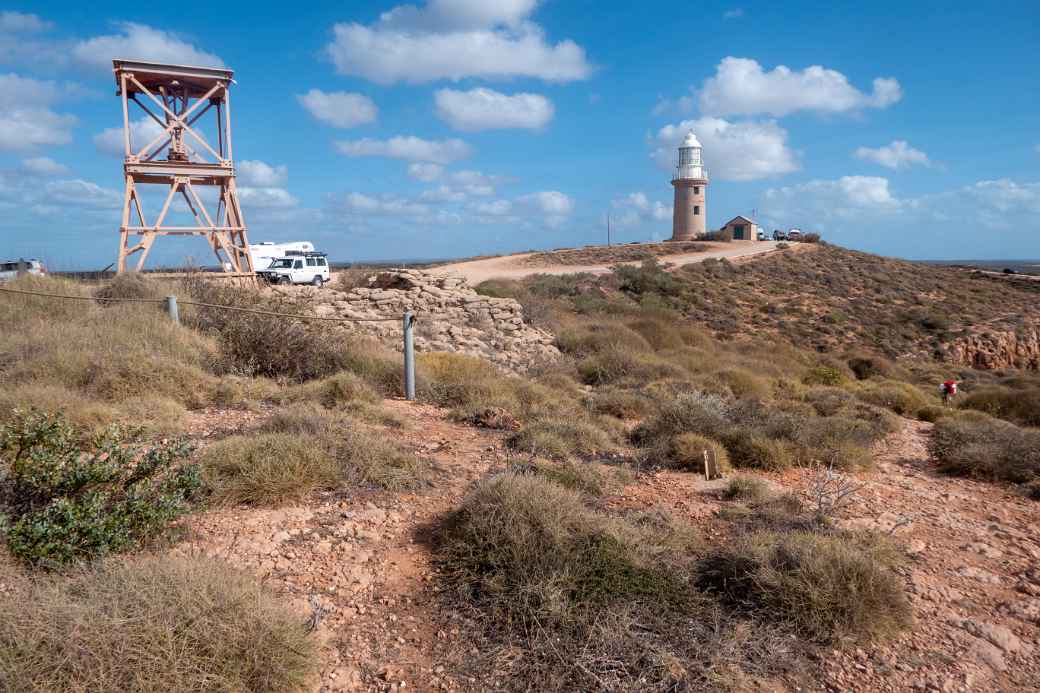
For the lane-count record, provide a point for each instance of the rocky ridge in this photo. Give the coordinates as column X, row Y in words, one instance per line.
column 992, row 350
column 450, row 316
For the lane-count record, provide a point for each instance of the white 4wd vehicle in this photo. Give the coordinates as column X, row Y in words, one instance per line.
column 11, row 270
column 304, row 268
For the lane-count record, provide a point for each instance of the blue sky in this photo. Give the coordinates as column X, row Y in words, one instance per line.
column 462, row 127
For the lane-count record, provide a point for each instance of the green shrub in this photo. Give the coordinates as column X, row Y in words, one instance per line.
column 826, row 587
column 621, row 404
column 689, row 412
column 175, row 625
column 267, row 469
column 338, row 389
column 824, row 375
column 984, row 447
column 63, row 501
column 902, row 398
column 744, row 487
column 750, row 450
column 685, row 451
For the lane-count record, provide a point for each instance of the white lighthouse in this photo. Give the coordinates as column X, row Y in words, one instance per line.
column 690, row 182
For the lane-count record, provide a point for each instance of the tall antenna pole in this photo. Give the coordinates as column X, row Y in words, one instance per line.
column 608, row 229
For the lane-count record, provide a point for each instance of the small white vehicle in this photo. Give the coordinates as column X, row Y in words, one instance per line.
column 794, row 235
column 10, row 270
column 298, row 268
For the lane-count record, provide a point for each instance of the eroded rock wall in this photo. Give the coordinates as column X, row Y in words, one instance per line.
column 992, row 350
column 450, row 315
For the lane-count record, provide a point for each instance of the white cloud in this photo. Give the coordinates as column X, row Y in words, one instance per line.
column 356, row 203
column 741, row 87
column 738, row 151
column 897, row 154
column 427, row 173
column 493, row 208
column 1004, row 196
column 18, row 22
column 454, row 39
column 409, row 148
column 486, row 109
column 26, row 119
column 141, row 42
column 44, row 166
column 735, row 13
column 849, row 199
column 339, row 109
column 443, row 193
column 554, row 206
column 261, row 175
column 636, row 207
column 266, row 198
column 142, row 131
column 81, row 193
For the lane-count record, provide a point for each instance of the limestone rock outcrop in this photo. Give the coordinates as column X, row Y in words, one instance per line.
column 992, row 350
column 450, row 316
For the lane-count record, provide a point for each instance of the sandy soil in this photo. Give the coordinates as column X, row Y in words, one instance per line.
column 515, row 267
column 973, row 573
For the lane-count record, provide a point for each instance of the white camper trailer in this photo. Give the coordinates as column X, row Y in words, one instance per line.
column 265, row 252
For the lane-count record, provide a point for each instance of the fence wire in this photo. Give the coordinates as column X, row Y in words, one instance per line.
column 255, row 311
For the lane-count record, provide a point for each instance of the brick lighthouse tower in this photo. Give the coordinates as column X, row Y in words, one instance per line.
column 690, row 182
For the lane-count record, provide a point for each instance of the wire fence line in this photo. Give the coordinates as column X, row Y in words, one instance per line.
column 199, row 304
column 407, row 320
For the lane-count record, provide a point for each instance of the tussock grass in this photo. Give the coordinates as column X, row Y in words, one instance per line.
column 176, row 625
column 746, row 488
column 826, row 587
column 529, row 548
column 268, row 469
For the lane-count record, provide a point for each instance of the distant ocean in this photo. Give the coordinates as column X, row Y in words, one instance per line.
column 1020, row 266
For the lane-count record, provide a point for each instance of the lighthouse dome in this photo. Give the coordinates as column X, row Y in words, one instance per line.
column 690, row 140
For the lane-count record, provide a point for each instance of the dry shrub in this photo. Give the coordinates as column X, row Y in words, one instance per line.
column 758, row 452
column 134, row 285
column 618, row 363
column 576, row 476
column 932, row 413
column 743, row 383
column 1018, row 405
column 902, row 398
column 562, row 438
column 824, row 375
column 661, row 332
column 867, row 366
column 980, row 446
column 828, row 401
column 593, row 338
column 621, row 404
column 457, row 380
column 745, row 488
column 176, row 625
column 267, row 469
column 339, row 389
column 686, row 451
column 529, row 548
column 826, row 587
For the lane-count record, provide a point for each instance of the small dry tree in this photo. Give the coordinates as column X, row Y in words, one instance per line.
column 830, row 491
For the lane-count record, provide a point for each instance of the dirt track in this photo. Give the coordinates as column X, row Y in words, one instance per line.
column 513, row 266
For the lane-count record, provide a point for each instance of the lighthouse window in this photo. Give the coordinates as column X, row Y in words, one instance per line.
column 696, row 209
column 696, row 190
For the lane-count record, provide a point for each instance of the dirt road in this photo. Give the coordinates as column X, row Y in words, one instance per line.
column 514, row 267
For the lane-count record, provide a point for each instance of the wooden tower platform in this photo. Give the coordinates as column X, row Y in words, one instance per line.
column 181, row 159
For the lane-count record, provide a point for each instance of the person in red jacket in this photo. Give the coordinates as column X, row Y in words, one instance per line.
column 949, row 390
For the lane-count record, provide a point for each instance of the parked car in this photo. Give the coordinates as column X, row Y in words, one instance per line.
column 9, row 270
column 761, row 235
column 306, row 268
column 779, row 235
column 794, row 235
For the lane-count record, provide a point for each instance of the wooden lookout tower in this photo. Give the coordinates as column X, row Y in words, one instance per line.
column 182, row 158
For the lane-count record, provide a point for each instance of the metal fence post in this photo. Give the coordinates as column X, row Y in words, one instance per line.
column 171, row 309
column 409, row 357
